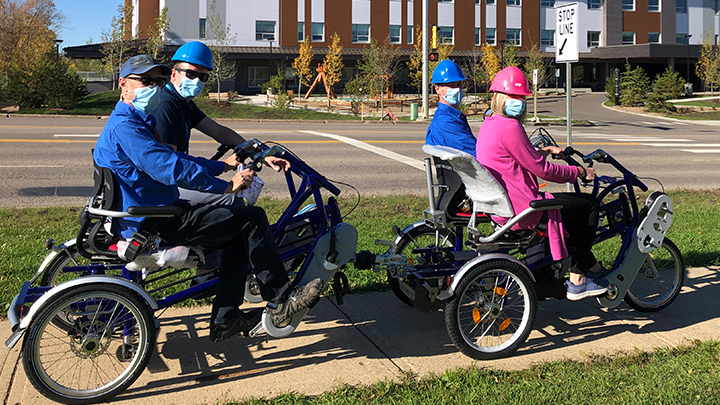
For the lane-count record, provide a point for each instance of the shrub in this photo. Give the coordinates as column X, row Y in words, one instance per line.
column 610, row 87
column 667, row 86
column 634, row 86
column 277, row 83
column 281, row 101
column 49, row 82
column 357, row 90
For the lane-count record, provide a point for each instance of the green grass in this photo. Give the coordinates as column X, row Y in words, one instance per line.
column 93, row 104
column 683, row 375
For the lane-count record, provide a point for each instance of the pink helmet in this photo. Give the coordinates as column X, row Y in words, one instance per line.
column 511, row 80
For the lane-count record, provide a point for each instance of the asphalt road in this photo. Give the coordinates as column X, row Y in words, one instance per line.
column 46, row 160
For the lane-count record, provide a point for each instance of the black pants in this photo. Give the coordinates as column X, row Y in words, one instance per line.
column 579, row 219
column 244, row 235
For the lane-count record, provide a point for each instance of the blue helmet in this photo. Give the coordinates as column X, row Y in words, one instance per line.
column 447, row 71
column 194, row 52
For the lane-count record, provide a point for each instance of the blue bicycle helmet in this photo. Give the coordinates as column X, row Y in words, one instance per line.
column 447, row 71
column 194, row 52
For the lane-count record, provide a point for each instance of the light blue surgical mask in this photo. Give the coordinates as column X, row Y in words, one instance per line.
column 514, row 107
column 190, row 88
column 454, row 96
column 146, row 99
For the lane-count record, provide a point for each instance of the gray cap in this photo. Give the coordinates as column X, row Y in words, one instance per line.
column 141, row 64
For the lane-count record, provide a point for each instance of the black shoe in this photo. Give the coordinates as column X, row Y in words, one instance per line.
column 236, row 322
column 300, row 297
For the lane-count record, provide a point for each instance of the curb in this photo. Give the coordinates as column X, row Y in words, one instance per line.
column 701, row 122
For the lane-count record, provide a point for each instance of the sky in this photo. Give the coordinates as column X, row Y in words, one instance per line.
column 85, row 19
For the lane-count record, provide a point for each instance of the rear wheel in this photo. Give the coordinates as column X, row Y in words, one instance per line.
column 493, row 310
column 659, row 280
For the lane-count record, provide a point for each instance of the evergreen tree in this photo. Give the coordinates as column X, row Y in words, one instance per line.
column 634, row 86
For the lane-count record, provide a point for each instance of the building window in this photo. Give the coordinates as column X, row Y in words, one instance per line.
column 681, row 6
column 593, row 4
column 654, row 6
column 445, row 35
column 653, row 37
column 410, row 34
column 264, row 30
column 490, row 36
column 489, row 2
column 477, row 1
column 681, row 39
column 257, row 75
column 318, row 32
column 513, row 36
column 445, row 1
column 547, row 37
column 477, row 36
column 628, row 38
column 547, row 3
column 361, row 33
column 628, row 5
column 593, row 38
column 301, row 31
column 201, row 32
column 513, row 2
column 395, row 34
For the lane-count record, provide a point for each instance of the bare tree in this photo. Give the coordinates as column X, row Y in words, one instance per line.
column 220, row 38
column 156, row 36
column 379, row 64
column 535, row 60
column 472, row 67
column 116, row 40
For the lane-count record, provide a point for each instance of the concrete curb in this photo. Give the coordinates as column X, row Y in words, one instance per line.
column 701, row 122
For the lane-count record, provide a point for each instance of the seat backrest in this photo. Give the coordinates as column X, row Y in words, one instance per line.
column 105, row 185
column 452, row 195
column 487, row 194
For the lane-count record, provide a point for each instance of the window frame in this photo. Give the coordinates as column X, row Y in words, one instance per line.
column 630, row 7
column 659, row 37
column 594, row 5
column 410, row 33
column 301, row 31
column 634, row 37
column 258, row 80
column 312, row 32
column 355, row 34
column 551, row 40
column 513, row 3
column 513, row 42
column 442, row 38
column 493, row 36
column 659, row 7
column 477, row 36
column 681, row 9
column 590, row 41
column 202, row 28
column 264, row 35
column 390, row 34
column 547, row 3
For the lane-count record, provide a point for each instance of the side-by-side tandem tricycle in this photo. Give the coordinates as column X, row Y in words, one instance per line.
column 87, row 322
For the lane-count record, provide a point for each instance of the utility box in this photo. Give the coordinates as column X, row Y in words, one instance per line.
column 688, row 89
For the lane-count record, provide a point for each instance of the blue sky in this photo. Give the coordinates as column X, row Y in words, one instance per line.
column 85, row 19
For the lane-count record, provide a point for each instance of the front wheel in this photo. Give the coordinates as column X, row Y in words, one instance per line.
column 105, row 351
column 659, row 280
column 492, row 311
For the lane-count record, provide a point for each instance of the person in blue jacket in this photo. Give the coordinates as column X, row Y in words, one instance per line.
column 149, row 174
column 449, row 126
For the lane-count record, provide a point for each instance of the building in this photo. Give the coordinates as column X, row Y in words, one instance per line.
column 654, row 34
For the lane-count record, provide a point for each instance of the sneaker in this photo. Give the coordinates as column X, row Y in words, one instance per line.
column 236, row 322
column 300, row 297
column 589, row 288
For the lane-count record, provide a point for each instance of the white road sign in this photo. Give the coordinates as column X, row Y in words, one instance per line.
column 567, row 32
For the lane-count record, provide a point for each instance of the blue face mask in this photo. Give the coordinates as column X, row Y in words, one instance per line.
column 454, row 96
column 146, row 99
column 514, row 107
column 190, row 88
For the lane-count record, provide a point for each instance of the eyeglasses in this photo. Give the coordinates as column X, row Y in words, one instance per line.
column 192, row 74
column 149, row 81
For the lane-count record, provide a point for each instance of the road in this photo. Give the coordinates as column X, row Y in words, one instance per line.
column 46, row 161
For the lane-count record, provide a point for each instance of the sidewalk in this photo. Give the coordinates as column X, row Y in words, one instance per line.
column 373, row 337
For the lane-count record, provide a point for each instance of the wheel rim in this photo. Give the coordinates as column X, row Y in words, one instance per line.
column 658, row 278
column 493, row 311
column 103, row 348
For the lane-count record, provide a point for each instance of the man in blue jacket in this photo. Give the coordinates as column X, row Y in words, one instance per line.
column 149, row 174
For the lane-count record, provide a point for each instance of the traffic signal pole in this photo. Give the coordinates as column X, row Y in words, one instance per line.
column 425, row 67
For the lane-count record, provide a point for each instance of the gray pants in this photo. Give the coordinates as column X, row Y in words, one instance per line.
column 200, row 197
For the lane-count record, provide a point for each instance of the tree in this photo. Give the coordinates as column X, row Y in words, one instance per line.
column 472, row 67
column 444, row 50
column 490, row 62
column 50, row 82
column 333, row 63
column 27, row 31
column 219, row 39
column 634, row 86
column 509, row 54
column 116, row 44
column 667, row 86
column 301, row 64
column 708, row 66
column 156, row 36
column 416, row 59
column 379, row 63
column 535, row 60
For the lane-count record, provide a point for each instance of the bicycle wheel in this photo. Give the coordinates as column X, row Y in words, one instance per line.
column 105, row 351
column 492, row 311
column 659, row 280
column 54, row 274
column 419, row 237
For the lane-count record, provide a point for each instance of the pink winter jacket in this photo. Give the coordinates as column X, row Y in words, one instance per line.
column 504, row 149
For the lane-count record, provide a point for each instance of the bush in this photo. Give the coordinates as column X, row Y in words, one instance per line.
column 49, row 82
column 634, row 86
column 610, row 87
column 357, row 90
column 667, row 86
column 281, row 101
column 277, row 83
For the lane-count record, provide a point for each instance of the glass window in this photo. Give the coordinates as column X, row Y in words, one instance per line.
column 593, row 4
column 445, row 1
column 513, row 36
column 477, row 36
column 628, row 38
column 257, row 75
column 361, row 33
column 264, row 30
column 445, row 35
column 628, row 5
column 490, row 36
column 301, row 31
column 682, row 39
column 513, row 2
column 318, row 32
column 593, row 38
column 547, row 3
column 477, row 1
column 395, row 34
column 547, row 37
column 654, row 5
column 410, row 34
column 488, row 2
column 681, row 6
column 653, row 37
column 201, row 33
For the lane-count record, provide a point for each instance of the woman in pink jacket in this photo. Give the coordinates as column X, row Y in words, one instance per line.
column 504, row 149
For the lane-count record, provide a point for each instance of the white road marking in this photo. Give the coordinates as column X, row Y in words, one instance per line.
column 372, row 148
column 701, row 150
column 683, row 145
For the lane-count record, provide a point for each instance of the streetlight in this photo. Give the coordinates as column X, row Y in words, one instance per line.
column 57, row 45
column 687, row 42
column 271, row 40
column 502, row 53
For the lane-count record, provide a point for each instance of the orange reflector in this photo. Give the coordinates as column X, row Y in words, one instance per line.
column 505, row 324
column 411, row 260
column 476, row 316
column 500, row 291
column 542, row 185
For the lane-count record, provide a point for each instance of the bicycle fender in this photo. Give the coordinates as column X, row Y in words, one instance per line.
column 49, row 258
column 656, row 223
column 622, row 278
column 99, row 279
column 450, row 291
column 407, row 229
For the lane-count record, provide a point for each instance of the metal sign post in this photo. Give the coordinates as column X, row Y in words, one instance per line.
column 535, row 86
column 566, row 50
